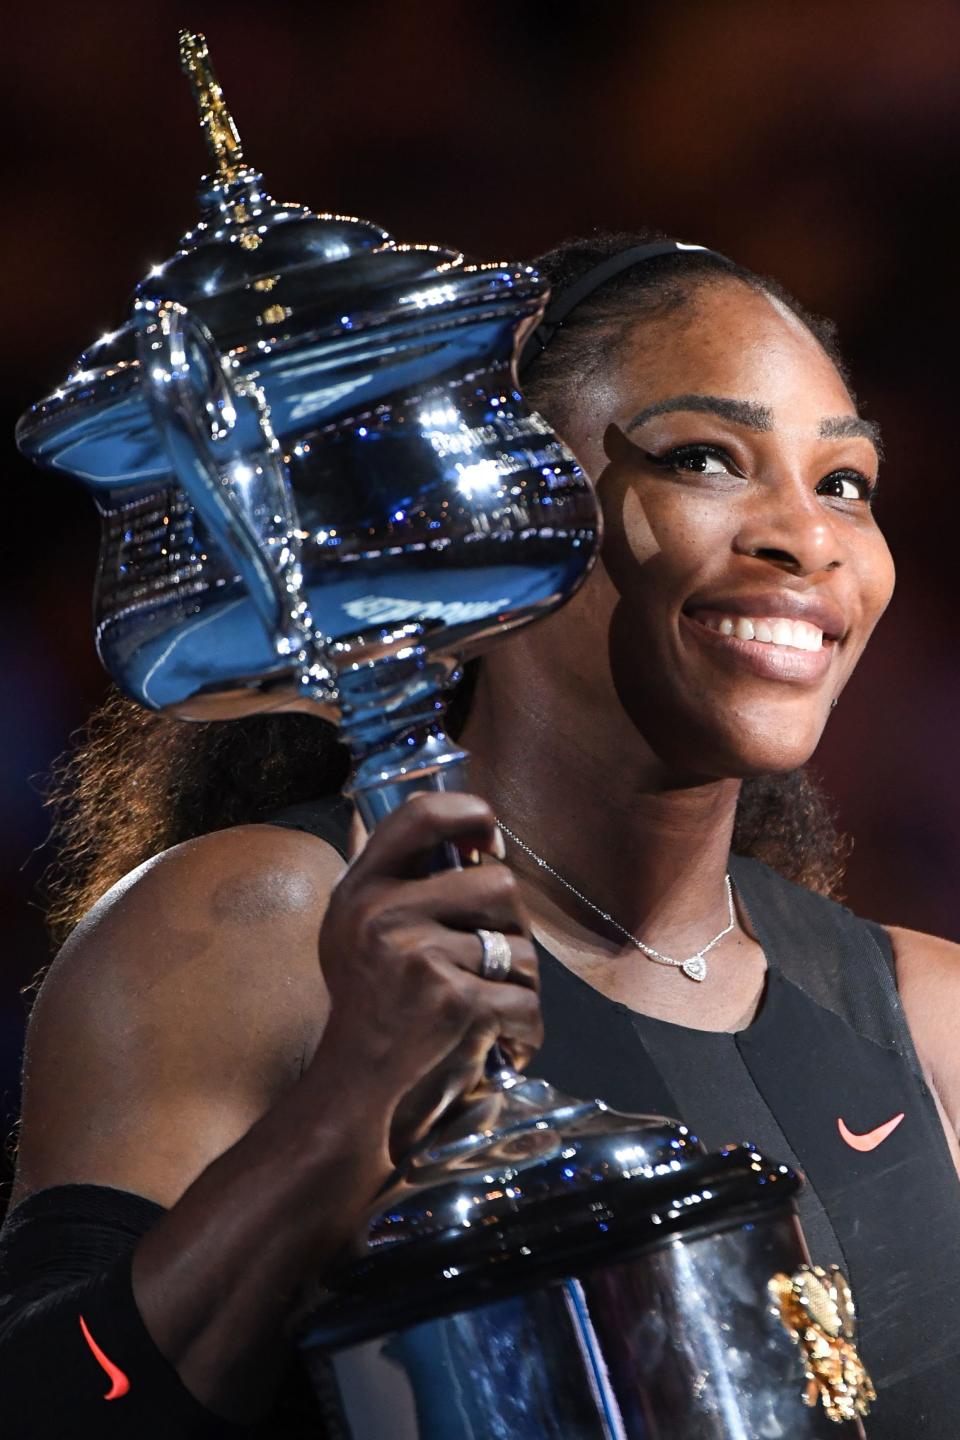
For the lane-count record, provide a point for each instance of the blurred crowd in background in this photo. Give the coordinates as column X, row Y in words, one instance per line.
column 813, row 141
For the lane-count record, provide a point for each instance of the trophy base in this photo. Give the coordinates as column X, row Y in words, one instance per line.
column 674, row 1341
column 546, row 1269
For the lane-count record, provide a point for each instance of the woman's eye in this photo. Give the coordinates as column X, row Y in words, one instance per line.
column 696, row 460
column 846, row 485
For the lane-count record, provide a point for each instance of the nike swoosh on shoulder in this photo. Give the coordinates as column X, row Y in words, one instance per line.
column 119, row 1383
column 870, row 1139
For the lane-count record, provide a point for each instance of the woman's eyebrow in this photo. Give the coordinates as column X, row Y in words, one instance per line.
column 841, row 427
column 759, row 417
column 741, row 412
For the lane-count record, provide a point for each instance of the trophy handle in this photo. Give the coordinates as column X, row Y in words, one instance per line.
column 241, row 494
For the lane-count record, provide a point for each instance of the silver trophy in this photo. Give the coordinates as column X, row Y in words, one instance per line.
column 320, row 490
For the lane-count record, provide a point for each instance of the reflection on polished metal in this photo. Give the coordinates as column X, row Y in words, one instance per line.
column 614, row 1290
column 320, row 486
column 320, row 489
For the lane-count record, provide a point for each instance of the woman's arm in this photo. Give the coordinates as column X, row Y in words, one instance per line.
column 166, row 1052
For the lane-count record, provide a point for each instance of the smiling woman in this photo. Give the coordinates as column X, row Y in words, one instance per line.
column 732, row 509
column 742, row 574
column 644, row 750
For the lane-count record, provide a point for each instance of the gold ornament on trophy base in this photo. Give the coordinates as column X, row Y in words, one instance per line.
column 817, row 1310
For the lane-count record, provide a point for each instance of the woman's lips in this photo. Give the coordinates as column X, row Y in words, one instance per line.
column 772, row 661
column 814, row 607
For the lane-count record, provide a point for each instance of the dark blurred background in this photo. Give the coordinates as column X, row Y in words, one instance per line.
column 813, row 141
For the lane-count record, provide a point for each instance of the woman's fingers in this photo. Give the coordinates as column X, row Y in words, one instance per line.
column 494, row 1012
column 465, row 950
column 425, row 951
column 509, row 1013
column 406, row 839
column 485, row 896
column 404, row 963
column 386, row 915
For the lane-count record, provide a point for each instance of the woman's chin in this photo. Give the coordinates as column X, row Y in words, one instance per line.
column 763, row 756
column 739, row 747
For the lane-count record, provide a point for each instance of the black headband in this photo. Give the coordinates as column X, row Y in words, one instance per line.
column 561, row 305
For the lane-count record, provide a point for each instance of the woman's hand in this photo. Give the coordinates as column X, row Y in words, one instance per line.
column 411, row 1019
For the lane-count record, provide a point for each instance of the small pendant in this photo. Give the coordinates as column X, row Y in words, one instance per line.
column 695, row 967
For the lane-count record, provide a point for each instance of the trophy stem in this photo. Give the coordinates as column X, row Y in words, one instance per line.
column 431, row 763
column 391, row 715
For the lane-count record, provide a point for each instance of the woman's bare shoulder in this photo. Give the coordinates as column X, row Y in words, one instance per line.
column 247, row 873
column 928, row 978
column 206, row 909
column 925, row 963
column 186, row 1000
column 236, row 908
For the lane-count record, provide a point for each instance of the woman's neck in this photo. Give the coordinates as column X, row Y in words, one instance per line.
column 579, row 786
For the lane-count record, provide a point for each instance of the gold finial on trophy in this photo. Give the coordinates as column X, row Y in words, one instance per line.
column 221, row 132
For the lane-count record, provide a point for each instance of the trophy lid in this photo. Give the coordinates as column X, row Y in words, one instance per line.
column 243, row 236
column 283, row 290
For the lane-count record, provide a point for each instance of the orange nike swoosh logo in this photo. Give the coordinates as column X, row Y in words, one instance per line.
column 870, row 1139
column 119, row 1382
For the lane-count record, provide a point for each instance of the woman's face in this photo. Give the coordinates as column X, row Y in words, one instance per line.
column 742, row 570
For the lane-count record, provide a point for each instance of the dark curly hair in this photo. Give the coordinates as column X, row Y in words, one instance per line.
column 137, row 783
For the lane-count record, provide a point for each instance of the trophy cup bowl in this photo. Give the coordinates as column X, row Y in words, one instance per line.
column 321, row 489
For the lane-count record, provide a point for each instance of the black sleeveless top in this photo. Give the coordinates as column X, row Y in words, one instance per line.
column 826, row 1079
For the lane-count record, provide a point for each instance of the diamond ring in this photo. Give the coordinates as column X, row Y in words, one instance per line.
column 497, row 959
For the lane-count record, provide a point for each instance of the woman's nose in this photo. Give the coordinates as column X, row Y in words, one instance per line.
column 792, row 531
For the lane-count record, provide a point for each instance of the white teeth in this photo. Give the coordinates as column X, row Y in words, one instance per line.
column 807, row 637
column 798, row 634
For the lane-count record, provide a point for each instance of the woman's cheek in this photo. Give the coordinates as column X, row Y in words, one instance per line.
column 876, row 575
column 886, row 574
column 637, row 529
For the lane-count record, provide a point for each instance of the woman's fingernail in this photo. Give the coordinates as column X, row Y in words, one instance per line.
column 499, row 844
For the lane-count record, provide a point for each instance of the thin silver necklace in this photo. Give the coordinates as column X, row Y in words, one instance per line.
column 695, row 965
